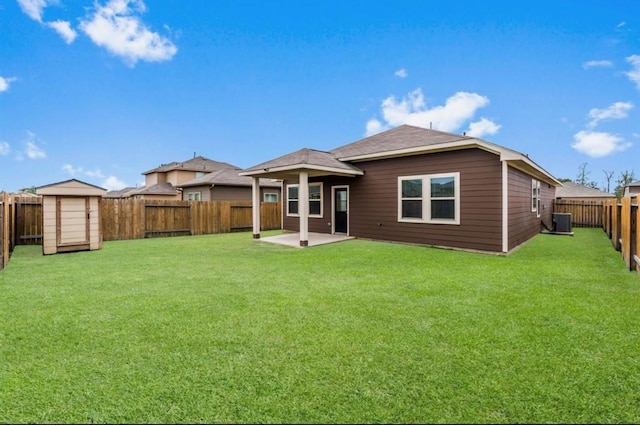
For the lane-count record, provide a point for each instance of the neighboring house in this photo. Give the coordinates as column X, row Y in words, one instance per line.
column 570, row 191
column 414, row 185
column 632, row 188
column 198, row 179
column 227, row 184
column 161, row 182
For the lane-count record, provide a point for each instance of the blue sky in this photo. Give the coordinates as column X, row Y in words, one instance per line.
column 103, row 90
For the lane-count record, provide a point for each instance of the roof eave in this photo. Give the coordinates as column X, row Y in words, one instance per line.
column 313, row 170
column 440, row 147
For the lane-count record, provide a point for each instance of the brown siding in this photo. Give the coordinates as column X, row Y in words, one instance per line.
column 205, row 193
column 524, row 223
column 373, row 201
column 238, row 193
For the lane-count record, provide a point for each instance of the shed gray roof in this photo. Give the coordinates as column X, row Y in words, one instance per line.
column 227, row 177
column 198, row 163
column 575, row 190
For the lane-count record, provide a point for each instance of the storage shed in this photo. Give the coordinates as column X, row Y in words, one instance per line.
column 71, row 216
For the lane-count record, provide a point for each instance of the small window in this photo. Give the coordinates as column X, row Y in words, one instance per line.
column 315, row 200
column 270, row 197
column 195, row 196
column 200, row 174
column 535, row 197
column 431, row 198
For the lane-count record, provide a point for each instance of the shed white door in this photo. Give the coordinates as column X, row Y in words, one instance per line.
column 73, row 214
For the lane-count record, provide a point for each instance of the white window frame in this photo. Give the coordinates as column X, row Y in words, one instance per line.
column 426, row 199
column 194, row 196
column 535, row 197
column 321, row 200
column 264, row 196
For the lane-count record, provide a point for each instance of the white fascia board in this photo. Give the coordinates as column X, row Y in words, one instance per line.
column 461, row 144
column 307, row 167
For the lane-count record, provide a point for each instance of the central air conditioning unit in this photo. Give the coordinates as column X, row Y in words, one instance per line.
column 562, row 222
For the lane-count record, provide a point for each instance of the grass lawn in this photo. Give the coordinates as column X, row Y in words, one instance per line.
column 220, row 328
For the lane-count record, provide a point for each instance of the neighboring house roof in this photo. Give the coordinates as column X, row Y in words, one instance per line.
column 119, row 193
column 155, row 189
column 400, row 141
column 226, row 177
column 575, row 190
column 198, row 163
column 632, row 188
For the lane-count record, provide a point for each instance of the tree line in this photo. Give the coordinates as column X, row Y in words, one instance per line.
column 624, row 178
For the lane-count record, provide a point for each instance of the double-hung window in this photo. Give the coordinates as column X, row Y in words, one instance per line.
column 535, row 197
column 195, row 196
column 315, row 200
column 432, row 198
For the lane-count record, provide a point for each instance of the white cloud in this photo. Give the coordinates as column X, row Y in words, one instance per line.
column 617, row 110
column 634, row 74
column 413, row 110
column 597, row 64
column 113, row 183
column 64, row 29
column 71, row 169
column 33, row 8
column 482, row 128
column 4, row 148
column 115, row 27
column 5, row 83
column 33, row 151
column 109, row 183
column 401, row 73
column 598, row 144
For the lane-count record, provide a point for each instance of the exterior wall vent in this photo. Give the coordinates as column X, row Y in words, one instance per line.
column 562, row 222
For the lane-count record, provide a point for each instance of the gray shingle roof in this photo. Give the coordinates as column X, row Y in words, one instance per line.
column 575, row 190
column 199, row 163
column 119, row 193
column 156, row 189
column 306, row 158
column 402, row 137
column 227, row 177
column 400, row 141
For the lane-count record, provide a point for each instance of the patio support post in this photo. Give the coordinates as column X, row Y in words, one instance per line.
column 255, row 200
column 303, row 207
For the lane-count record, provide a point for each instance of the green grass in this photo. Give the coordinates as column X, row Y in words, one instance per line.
column 220, row 328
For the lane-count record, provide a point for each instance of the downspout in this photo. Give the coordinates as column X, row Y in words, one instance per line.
column 505, row 206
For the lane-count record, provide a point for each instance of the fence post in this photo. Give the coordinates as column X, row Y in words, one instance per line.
column 6, row 236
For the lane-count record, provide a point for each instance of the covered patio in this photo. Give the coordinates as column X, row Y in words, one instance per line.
column 297, row 166
column 313, row 239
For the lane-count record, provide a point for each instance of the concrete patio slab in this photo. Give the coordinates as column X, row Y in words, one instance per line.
column 315, row 239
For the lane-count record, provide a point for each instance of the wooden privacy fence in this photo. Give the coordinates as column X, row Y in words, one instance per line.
column 21, row 219
column 622, row 226
column 139, row 218
column 5, row 226
column 583, row 213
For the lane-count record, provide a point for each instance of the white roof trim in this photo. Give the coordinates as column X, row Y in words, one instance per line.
column 459, row 144
column 294, row 167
